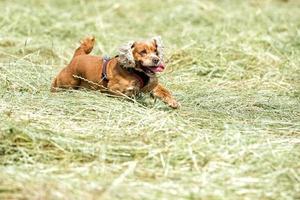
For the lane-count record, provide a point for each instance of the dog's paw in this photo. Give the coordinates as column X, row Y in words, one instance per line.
column 174, row 104
column 87, row 44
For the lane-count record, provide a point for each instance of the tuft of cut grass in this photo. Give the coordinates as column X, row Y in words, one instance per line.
column 233, row 65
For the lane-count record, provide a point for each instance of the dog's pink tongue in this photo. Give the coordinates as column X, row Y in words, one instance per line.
column 159, row 68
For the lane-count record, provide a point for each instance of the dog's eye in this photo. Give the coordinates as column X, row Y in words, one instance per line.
column 143, row 52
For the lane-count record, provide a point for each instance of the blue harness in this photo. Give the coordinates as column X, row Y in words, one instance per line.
column 106, row 60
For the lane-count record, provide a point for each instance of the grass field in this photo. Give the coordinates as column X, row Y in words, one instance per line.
column 233, row 65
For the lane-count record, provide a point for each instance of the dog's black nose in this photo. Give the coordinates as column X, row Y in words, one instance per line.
column 155, row 60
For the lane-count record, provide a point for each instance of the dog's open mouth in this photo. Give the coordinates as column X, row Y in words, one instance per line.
column 154, row 69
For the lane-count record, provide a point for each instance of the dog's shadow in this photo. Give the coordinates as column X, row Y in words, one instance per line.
column 147, row 101
column 151, row 102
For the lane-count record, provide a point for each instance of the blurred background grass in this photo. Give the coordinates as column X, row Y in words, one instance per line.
column 233, row 65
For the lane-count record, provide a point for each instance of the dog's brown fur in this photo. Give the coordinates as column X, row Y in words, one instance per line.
column 85, row 71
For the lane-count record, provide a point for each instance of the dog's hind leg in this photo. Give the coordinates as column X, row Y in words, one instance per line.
column 86, row 46
column 66, row 80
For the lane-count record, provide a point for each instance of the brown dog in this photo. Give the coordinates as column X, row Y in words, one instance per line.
column 129, row 73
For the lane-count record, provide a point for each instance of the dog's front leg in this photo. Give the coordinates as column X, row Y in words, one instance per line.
column 166, row 96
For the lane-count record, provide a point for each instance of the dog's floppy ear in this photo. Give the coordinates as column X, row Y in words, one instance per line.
column 126, row 58
column 159, row 46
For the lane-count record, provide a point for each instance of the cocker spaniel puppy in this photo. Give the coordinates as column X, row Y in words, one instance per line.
column 131, row 72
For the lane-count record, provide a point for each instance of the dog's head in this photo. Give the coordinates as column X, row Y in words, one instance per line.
column 146, row 56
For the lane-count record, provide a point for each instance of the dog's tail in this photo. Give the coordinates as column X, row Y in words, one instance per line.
column 54, row 85
column 86, row 46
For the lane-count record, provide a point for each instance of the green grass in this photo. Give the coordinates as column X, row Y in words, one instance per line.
column 233, row 65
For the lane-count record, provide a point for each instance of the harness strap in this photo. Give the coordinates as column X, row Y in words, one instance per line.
column 104, row 69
